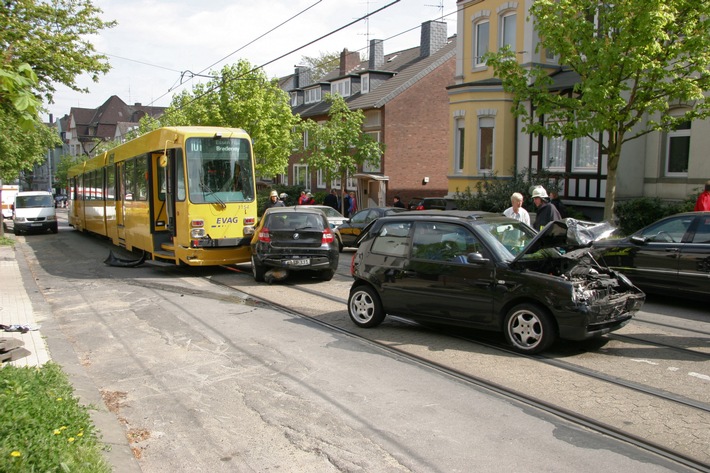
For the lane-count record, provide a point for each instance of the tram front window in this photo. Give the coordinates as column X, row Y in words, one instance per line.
column 219, row 170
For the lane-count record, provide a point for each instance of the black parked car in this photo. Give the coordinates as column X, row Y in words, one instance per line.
column 483, row 270
column 670, row 256
column 436, row 203
column 294, row 239
column 351, row 228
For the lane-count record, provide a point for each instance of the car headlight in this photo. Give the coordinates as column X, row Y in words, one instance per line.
column 20, row 219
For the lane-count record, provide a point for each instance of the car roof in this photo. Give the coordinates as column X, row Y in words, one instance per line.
column 467, row 215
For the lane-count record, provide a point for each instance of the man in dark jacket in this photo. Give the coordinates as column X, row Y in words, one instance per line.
column 546, row 212
column 331, row 200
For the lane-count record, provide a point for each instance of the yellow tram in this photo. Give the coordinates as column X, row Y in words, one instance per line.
column 180, row 194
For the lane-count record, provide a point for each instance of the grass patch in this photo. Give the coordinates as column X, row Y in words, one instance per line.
column 5, row 241
column 42, row 425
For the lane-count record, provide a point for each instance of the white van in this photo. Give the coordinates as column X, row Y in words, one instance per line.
column 34, row 211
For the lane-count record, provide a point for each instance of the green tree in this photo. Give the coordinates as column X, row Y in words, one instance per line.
column 635, row 61
column 338, row 146
column 65, row 163
column 322, row 64
column 240, row 96
column 20, row 148
column 53, row 38
column 16, row 96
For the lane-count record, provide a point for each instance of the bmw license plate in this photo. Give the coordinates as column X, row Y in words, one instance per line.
column 298, row 262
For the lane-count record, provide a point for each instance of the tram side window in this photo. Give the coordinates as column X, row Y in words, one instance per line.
column 141, row 178
column 111, row 183
column 180, row 176
column 129, row 179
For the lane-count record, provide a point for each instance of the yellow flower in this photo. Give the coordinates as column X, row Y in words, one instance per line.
column 57, row 431
column 71, row 439
column 15, row 454
column 80, row 434
column 64, row 427
column 59, row 399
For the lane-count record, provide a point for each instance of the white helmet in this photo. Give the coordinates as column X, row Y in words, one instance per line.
column 539, row 191
column 274, row 194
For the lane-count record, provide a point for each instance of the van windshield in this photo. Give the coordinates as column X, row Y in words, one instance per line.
column 29, row 201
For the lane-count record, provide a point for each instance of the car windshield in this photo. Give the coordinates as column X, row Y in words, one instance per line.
column 508, row 239
column 331, row 212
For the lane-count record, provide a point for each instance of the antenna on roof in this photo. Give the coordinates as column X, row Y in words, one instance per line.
column 440, row 6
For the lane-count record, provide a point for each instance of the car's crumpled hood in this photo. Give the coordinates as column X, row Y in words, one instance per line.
column 569, row 234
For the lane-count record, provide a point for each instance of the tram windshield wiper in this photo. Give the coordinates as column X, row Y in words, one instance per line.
column 207, row 191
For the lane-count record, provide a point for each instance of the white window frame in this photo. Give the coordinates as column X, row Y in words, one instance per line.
column 477, row 54
column 578, row 154
column 312, row 95
column 459, row 144
column 503, row 30
column 301, row 176
column 341, row 87
column 294, row 98
column 670, row 136
column 557, row 146
column 367, row 167
column 320, row 179
column 365, row 83
column 485, row 122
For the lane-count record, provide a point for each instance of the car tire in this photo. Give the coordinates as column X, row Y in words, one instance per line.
column 529, row 329
column 340, row 245
column 326, row 275
column 364, row 307
column 55, row 228
column 259, row 271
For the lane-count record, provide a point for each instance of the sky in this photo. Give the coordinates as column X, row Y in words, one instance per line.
column 160, row 47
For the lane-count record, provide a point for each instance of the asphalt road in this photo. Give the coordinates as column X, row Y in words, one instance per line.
column 201, row 380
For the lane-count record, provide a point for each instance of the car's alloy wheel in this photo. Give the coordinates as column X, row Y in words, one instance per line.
column 364, row 307
column 257, row 270
column 529, row 328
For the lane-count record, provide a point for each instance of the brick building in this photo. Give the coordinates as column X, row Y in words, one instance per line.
column 403, row 96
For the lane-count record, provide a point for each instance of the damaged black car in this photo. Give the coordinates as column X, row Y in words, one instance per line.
column 486, row 271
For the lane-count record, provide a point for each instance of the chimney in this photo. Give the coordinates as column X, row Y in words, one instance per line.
column 303, row 77
column 348, row 61
column 433, row 37
column 51, row 118
column 377, row 55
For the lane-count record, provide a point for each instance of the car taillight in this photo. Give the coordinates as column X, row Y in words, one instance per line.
column 264, row 235
column 420, row 207
column 328, row 236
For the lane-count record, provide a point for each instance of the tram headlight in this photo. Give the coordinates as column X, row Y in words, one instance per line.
column 198, row 233
column 197, row 230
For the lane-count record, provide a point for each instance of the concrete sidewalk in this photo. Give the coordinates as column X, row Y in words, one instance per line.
column 16, row 309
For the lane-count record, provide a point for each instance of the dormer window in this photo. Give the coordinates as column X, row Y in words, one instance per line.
column 365, row 83
column 341, row 87
column 294, row 99
column 312, row 95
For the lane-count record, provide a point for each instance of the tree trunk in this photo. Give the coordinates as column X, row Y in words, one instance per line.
column 610, row 195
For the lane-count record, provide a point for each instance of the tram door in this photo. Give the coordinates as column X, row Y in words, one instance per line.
column 164, row 200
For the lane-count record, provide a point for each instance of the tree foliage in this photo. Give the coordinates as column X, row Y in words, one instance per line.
column 635, row 60
column 22, row 148
column 52, row 37
column 322, row 64
column 242, row 97
column 338, row 146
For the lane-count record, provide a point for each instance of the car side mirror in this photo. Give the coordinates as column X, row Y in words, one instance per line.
column 476, row 258
column 638, row 240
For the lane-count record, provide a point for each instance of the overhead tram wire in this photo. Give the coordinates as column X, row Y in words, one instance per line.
column 216, row 87
column 193, row 75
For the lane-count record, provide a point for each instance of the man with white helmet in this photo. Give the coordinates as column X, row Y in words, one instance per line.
column 546, row 212
column 274, row 200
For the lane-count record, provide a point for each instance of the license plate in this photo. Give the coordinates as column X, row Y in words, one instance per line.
column 35, row 224
column 298, row 262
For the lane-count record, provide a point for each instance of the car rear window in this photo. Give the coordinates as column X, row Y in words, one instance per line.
column 295, row 221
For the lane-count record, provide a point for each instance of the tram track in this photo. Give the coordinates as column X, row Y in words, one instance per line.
column 571, row 415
